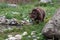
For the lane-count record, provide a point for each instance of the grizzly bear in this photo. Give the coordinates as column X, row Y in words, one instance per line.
column 37, row 15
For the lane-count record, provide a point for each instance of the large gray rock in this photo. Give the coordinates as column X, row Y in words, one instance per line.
column 48, row 30
column 52, row 28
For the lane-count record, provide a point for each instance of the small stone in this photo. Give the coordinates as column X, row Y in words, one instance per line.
column 29, row 36
column 12, row 5
column 33, row 32
column 38, row 37
column 9, row 35
column 25, row 33
column 18, row 36
column 45, row 1
column 34, row 39
column 34, row 36
column 12, row 38
column 6, row 39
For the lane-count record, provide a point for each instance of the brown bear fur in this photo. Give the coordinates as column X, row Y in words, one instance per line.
column 37, row 15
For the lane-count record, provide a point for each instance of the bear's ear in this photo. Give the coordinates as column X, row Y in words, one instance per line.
column 34, row 10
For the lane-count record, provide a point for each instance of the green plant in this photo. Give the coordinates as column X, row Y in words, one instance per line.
column 9, row 15
column 3, row 5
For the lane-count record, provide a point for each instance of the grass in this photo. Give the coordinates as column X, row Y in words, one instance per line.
column 23, row 13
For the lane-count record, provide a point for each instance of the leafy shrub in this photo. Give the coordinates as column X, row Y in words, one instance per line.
column 3, row 5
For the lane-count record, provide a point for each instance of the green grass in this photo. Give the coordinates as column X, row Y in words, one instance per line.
column 24, row 11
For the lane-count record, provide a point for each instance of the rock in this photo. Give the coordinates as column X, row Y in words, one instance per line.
column 13, row 22
column 25, row 22
column 45, row 1
column 56, row 20
column 33, row 32
column 2, row 20
column 48, row 30
column 16, row 37
column 25, row 33
column 12, row 5
column 19, row 37
column 6, row 39
column 34, row 39
column 7, row 21
column 52, row 28
column 12, row 38
column 9, row 35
